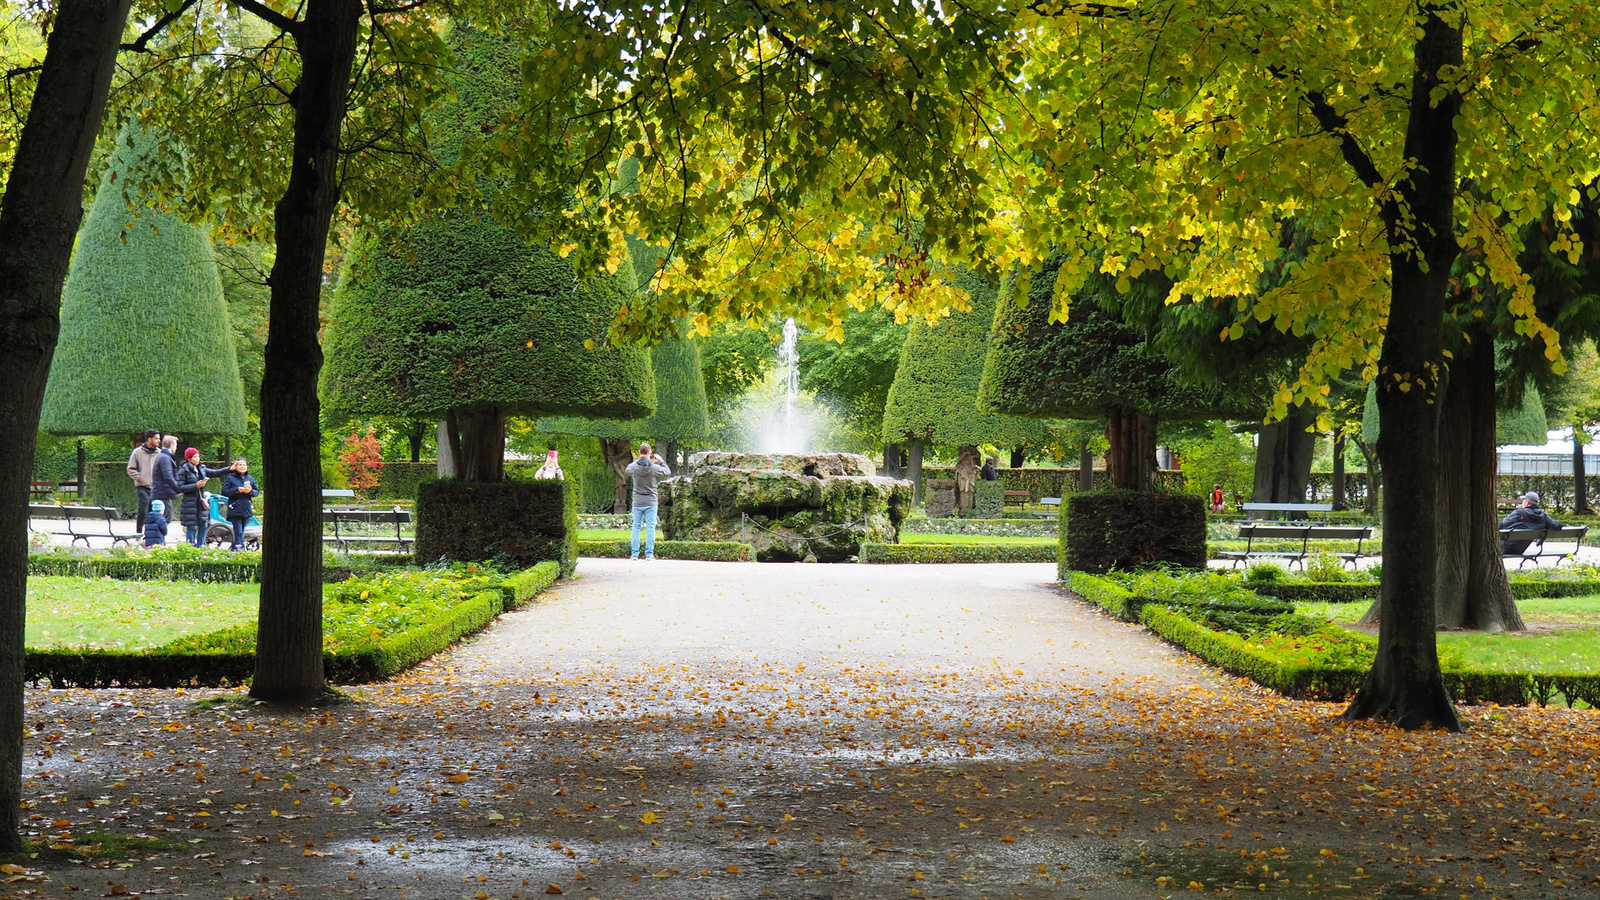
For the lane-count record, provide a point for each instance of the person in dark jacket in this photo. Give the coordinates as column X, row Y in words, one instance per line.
column 155, row 525
column 1527, row 515
column 241, row 490
column 164, row 482
column 192, row 508
column 990, row 470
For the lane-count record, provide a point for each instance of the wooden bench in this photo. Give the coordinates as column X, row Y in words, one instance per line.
column 81, row 522
column 1279, row 512
column 1540, row 537
column 39, row 490
column 347, row 517
column 1017, row 498
column 1305, row 534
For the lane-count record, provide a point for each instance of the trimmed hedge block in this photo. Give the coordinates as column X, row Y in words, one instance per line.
column 529, row 583
column 989, row 499
column 705, row 551
column 1105, row 530
column 956, row 553
column 521, row 522
column 397, row 653
column 1317, row 591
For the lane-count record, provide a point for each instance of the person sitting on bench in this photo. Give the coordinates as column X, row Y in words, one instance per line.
column 1526, row 517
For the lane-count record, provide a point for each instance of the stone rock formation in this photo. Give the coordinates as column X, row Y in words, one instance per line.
column 791, row 507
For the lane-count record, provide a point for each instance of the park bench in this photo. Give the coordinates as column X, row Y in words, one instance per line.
column 350, row 523
column 80, row 522
column 1305, row 534
column 39, row 490
column 1540, row 538
column 1017, row 498
column 1279, row 512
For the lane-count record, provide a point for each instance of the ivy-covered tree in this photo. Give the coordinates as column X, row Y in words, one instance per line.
column 934, row 398
column 680, row 415
column 459, row 318
column 145, row 334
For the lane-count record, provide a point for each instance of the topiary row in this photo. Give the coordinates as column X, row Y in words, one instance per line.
column 956, row 553
column 1107, row 530
column 705, row 551
column 240, row 568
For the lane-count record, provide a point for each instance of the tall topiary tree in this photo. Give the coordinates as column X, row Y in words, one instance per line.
column 145, row 339
column 680, row 415
column 458, row 318
column 934, row 398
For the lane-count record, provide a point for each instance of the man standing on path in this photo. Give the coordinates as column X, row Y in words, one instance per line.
column 645, row 471
column 164, row 476
column 141, row 466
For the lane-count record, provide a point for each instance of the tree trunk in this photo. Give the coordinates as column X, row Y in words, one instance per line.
column 415, row 439
column 83, row 468
column 891, row 461
column 289, row 638
column 672, row 456
column 449, row 447
column 1374, row 475
column 1018, row 457
column 914, row 470
column 618, row 453
column 39, row 217
column 1580, row 477
column 483, row 444
column 1405, row 684
column 966, row 476
column 1472, row 588
column 1131, row 460
column 1336, row 486
column 1283, row 459
column 1085, row 468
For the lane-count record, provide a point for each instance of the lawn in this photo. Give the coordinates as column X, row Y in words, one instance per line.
column 1573, row 647
column 104, row 614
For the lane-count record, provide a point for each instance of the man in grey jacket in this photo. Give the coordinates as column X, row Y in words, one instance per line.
column 645, row 471
column 141, row 466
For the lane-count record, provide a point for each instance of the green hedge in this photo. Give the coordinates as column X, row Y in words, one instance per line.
column 1106, row 594
column 62, row 668
column 986, row 527
column 246, row 567
column 956, row 553
column 1367, row 591
column 989, row 499
column 399, row 652
column 1106, row 530
column 529, row 583
column 521, row 522
column 705, row 551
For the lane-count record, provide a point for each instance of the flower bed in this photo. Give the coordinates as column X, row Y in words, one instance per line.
column 985, row 527
column 956, row 553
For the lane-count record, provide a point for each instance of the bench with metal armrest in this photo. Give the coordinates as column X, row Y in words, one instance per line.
column 1539, row 539
column 81, row 522
column 1305, row 534
column 348, row 520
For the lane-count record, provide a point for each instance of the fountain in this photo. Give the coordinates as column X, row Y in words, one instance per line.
column 783, row 429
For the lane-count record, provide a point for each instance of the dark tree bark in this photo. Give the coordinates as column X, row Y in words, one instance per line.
column 1369, row 452
column 1472, row 588
column 481, row 455
column 1580, row 477
column 966, row 476
column 914, row 470
column 289, row 638
column 671, row 456
column 891, row 461
column 618, row 453
column 1336, row 487
column 1131, row 460
column 1018, row 457
column 1283, row 460
column 1405, row 684
column 1085, row 467
column 39, row 217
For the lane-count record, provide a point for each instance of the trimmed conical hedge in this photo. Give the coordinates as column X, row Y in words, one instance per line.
column 145, row 340
column 459, row 312
column 934, row 398
column 680, row 402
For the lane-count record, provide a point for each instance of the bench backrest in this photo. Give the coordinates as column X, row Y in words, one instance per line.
column 1341, row 532
column 67, row 510
column 1565, row 532
column 337, row 492
column 1274, row 531
column 47, row 511
column 1286, row 507
column 396, row 516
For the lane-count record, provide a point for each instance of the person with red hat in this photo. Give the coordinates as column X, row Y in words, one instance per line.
column 192, row 506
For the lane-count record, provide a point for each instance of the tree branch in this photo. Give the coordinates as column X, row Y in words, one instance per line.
column 269, row 15
column 1334, row 123
column 1088, row 10
column 142, row 45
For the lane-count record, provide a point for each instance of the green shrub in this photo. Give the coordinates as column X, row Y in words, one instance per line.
column 1315, row 592
column 705, row 551
column 1324, row 568
column 1106, row 530
column 519, row 523
column 529, row 583
column 1106, row 594
column 1265, row 573
column 956, row 553
column 984, row 527
column 989, row 500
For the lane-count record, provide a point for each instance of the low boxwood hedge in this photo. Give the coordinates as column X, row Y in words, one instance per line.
column 1367, row 591
column 216, row 566
column 1106, row 594
column 529, row 583
column 705, row 551
column 985, row 527
column 956, row 553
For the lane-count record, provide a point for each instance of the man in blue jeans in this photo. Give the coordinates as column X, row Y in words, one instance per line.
column 645, row 471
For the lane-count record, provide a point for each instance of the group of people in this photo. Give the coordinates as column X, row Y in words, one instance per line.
column 162, row 483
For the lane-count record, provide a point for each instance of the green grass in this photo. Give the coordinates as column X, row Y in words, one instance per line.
column 607, row 534
column 909, row 538
column 105, row 614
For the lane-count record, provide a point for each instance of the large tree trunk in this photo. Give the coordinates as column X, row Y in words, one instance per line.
column 39, row 218
column 1018, row 457
column 914, row 471
column 1283, row 459
column 289, row 638
column 1085, row 467
column 1131, row 460
column 449, row 444
column 1405, row 684
column 891, row 461
column 966, row 476
column 482, row 458
column 1580, row 478
column 618, row 453
column 1472, row 587
column 1336, row 485
column 672, row 456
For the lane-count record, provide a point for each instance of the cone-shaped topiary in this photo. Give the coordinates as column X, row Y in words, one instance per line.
column 459, row 318
column 934, row 398
column 145, row 340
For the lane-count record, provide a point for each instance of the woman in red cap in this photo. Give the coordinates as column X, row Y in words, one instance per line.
column 192, row 504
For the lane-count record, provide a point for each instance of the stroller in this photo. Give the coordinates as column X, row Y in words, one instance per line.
column 219, row 531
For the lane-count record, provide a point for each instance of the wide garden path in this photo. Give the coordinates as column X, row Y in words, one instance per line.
column 715, row 730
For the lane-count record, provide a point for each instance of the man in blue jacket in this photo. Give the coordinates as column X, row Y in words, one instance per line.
column 1527, row 516
column 164, row 476
column 645, row 471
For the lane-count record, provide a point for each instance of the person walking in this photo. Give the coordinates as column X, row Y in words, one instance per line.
column 192, row 507
column 645, row 471
column 1526, row 517
column 155, row 525
column 141, row 466
column 241, row 490
column 1216, row 498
